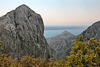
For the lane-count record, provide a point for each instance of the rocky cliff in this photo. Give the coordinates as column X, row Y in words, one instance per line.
column 92, row 31
column 61, row 43
column 22, row 33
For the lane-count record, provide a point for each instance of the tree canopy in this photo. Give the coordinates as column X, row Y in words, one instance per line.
column 84, row 54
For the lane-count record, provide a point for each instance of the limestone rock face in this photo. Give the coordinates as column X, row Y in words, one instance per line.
column 61, row 44
column 92, row 31
column 22, row 33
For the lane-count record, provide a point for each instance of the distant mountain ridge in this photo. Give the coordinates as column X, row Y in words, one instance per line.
column 63, row 27
column 59, row 42
column 65, row 43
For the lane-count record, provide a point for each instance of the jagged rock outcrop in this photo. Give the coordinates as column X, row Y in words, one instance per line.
column 92, row 31
column 61, row 43
column 22, row 33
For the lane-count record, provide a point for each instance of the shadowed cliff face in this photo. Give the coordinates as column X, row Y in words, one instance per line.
column 22, row 33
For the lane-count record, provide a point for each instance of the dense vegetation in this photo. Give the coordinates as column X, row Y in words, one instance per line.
column 83, row 54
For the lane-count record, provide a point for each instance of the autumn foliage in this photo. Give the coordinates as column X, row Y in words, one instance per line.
column 83, row 54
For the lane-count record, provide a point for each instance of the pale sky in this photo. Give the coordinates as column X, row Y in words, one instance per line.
column 59, row 12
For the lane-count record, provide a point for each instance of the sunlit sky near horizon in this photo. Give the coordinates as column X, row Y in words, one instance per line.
column 59, row 12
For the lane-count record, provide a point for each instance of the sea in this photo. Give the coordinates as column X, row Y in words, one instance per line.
column 50, row 31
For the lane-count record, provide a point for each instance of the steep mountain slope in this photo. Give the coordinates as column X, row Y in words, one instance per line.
column 63, row 42
column 22, row 33
column 92, row 31
column 60, row 43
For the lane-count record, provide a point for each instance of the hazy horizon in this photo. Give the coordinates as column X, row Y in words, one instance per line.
column 75, row 30
column 59, row 12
